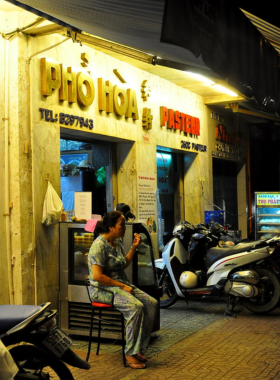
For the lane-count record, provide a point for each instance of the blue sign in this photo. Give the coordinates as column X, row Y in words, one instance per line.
column 165, row 173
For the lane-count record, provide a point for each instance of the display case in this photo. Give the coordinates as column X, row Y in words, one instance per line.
column 75, row 243
column 267, row 215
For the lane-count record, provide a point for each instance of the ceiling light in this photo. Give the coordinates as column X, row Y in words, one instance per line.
column 224, row 90
column 217, row 87
column 201, row 78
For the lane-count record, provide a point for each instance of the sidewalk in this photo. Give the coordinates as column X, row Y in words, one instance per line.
column 197, row 341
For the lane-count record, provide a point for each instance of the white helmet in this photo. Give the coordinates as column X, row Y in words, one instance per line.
column 188, row 279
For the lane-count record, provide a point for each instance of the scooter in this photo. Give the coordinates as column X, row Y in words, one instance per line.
column 183, row 232
column 36, row 342
column 248, row 271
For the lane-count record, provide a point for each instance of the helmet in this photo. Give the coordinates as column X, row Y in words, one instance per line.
column 182, row 227
column 188, row 279
column 225, row 244
column 125, row 209
column 84, row 164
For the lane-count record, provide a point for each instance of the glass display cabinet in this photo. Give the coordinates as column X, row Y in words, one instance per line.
column 75, row 243
column 267, row 215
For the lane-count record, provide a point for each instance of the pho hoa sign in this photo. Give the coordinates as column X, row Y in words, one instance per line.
column 71, row 87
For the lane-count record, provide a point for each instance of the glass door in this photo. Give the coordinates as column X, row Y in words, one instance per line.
column 79, row 243
column 165, row 183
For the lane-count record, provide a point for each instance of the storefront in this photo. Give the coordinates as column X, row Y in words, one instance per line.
column 129, row 122
column 227, row 145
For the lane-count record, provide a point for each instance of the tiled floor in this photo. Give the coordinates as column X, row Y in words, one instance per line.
column 197, row 341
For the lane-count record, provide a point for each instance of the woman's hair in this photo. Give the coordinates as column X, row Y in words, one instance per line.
column 109, row 220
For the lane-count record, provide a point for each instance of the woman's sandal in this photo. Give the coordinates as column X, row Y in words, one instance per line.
column 142, row 358
column 135, row 365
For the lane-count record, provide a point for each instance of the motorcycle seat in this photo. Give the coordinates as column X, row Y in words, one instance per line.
column 215, row 254
column 12, row 315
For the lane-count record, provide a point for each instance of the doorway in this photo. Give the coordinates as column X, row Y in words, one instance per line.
column 169, row 175
column 225, row 190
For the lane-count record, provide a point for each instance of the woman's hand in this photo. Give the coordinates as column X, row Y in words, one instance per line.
column 128, row 289
column 102, row 279
column 136, row 240
column 131, row 252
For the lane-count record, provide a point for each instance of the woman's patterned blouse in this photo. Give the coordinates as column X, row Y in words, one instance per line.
column 112, row 260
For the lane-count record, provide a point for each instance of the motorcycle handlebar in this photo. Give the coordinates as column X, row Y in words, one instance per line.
column 214, row 236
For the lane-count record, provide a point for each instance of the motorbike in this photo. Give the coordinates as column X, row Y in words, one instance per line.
column 35, row 342
column 248, row 271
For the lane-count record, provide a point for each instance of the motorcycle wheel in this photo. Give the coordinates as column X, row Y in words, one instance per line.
column 269, row 294
column 27, row 356
column 169, row 296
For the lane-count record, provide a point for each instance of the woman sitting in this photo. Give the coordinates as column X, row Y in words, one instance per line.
column 107, row 261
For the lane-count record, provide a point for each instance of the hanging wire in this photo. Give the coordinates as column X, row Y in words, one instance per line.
column 212, row 204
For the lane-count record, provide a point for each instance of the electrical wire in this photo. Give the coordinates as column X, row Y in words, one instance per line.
column 212, row 204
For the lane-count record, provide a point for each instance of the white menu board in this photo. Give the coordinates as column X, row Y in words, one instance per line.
column 83, row 204
column 147, row 211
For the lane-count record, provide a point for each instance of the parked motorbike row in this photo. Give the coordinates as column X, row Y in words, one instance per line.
column 45, row 345
column 196, row 265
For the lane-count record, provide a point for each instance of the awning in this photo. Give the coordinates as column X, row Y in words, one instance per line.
column 133, row 23
column 206, row 36
column 269, row 31
column 236, row 47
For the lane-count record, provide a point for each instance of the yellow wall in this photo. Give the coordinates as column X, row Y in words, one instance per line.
column 35, row 150
column 132, row 156
column 19, row 260
column 4, row 290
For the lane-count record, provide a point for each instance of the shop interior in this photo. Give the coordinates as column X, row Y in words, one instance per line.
column 169, row 175
column 85, row 166
column 225, row 190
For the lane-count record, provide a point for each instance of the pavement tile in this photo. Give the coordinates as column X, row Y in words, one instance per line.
column 197, row 341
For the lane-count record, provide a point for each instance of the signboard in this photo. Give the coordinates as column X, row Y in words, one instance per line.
column 268, row 199
column 165, row 173
column 147, row 211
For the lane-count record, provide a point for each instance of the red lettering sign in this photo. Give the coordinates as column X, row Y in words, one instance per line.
column 177, row 120
column 197, row 126
column 163, row 116
column 221, row 134
column 273, row 201
column 188, row 124
column 180, row 121
column 183, row 121
column 193, row 125
column 170, row 123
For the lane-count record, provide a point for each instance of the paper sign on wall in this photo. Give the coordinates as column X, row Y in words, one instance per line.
column 147, row 214
column 83, row 204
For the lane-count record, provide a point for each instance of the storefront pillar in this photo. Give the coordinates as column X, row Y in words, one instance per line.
column 192, row 186
column 18, row 270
